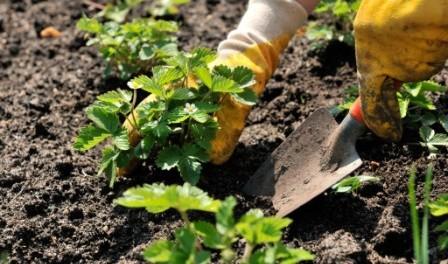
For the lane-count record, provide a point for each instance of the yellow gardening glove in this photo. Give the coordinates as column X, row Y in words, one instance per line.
column 257, row 43
column 262, row 35
column 403, row 40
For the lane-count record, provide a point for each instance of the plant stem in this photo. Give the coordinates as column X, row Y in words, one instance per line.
column 414, row 216
column 185, row 218
column 247, row 252
column 425, row 232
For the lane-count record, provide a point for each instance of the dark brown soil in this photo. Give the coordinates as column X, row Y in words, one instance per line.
column 55, row 210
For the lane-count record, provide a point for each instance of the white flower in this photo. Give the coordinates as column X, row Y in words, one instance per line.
column 134, row 85
column 190, row 108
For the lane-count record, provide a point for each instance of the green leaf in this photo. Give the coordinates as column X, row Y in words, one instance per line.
column 159, row 129
column 203, row 73
column 103, row 119
column 177, row 115
column 224, row 85
column 443, row 227
column 352, row 184
column 247, row 97
column 208, row 107
column 164, row 75
column 157, row 198
column 443, row 120
column 210, row 235
column 182, row 94
column 442, row 241
column 169, row 157
column 89, row 137
column 121, row 139
column 144, row 147
column 204, row 133
column 149, row 85
column 223, row 70
column 403, row 102
column 428, row 119
column 190, row 170
column 243, row 76
column 426, row 133
column 90, row 25
column 257, row 229
column 192, row 151
column 225, row 220
column 185, row 250
column 200, row 116
column 159, row 252
column 116, row 97
column 108, row 164
column 440, row 206
column 146, row 53
column 279, row 253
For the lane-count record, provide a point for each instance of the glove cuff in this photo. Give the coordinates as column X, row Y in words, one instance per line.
column 265, row 21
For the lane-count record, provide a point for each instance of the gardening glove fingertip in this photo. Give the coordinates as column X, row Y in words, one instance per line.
column 380, row 108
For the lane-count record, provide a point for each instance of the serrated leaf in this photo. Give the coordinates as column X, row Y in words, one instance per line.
column 182, row 94
column 209, row 234
column 208, row 107
column 146, row 53
column 203, row 73
column 158, row 252
column 149, row 85
column 200, row 116
column 157, row 198
column 440, row 206
column 243, row 76
column 257, row 229
column 116, row 97
column 121, row 139
column 144, row 147
column 177, row 115
column 89, row 137
column 190, row 170
column 426, row 133
column 169, row 157
column 223, row 71
column 247, row 97
column 224, row 85
column 443, row 120
column 103, row 119
column 90, row 25
column 403, row 103
column 225, row 220
column 192, row 151
column 428, row 119
column 164, row 75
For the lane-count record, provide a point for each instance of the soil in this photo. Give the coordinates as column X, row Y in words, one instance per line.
column 55, row 210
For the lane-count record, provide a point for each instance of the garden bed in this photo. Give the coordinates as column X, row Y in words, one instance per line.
column 55, row 210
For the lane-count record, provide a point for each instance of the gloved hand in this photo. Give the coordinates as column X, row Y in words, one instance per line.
column 403, row 40
column 261, row 36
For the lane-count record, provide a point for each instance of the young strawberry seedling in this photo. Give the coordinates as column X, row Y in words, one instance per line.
column 195, row 240
column 440, row 208
column 342, row 14
column 166, row 7
column 176, row 123
column 118, row 12
column 353, row 184
column 133, row 47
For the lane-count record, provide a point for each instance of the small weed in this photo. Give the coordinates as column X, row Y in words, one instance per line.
column 352, row 184
column 194, row 241
column 166, row 7
column 118, row 12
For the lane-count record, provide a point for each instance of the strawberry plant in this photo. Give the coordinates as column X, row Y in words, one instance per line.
column 195, row 241
column 177, row 124
column 417, row 110
column 118, row 12
column 166, row 7
column 438, row 208
column 133, row 47
column 342, row 13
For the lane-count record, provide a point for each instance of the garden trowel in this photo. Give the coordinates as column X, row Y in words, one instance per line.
column 318, row 154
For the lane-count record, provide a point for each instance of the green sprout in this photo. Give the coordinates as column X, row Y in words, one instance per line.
column 353, row 184
column 195, row 241
column 133, row 47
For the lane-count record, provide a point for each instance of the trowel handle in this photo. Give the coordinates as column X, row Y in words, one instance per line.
column 356, row 111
